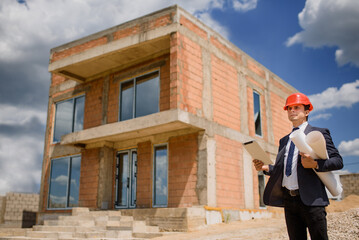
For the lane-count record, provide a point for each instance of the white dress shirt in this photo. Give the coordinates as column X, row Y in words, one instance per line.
column 291, row 182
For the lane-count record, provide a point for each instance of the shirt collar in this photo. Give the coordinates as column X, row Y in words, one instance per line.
column 303, row 126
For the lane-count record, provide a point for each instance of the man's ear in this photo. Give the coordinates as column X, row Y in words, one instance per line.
column 307, row 113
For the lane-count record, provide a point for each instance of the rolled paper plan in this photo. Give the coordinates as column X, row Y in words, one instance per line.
column 301, row 142
column 316, row 141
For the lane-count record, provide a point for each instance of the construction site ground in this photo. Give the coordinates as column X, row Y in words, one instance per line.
column 343, row 224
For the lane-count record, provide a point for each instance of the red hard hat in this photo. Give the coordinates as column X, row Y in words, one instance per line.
column 298, row 98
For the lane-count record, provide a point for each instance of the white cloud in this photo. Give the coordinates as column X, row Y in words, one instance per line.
column 345, row 96
column 320, row 116
column 45, row 24
column 20, row 115
column 349, row 148
column 209, row 21
column 20, row 164
column 244, row 5
column 331, row 23
column 62, row 180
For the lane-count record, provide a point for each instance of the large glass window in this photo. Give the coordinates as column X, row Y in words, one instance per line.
column 160, row 183
column 69, row 117
column 64, row 182
column 140, row 96
column 257, row 114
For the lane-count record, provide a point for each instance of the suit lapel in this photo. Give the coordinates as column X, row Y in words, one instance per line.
column 308, row 129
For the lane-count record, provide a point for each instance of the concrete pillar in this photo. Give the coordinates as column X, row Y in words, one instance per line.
column 201, row 186
column 207, row 85
column 104, row 197
column 211, row 172
column 106, row 86
column 243, row 103
column 248, row 180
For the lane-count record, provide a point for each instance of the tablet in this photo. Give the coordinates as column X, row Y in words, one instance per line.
column 257, row 152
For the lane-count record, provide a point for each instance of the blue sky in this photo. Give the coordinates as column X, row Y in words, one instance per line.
column 311, row 44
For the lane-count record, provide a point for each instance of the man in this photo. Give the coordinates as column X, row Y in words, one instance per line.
column 293, row 184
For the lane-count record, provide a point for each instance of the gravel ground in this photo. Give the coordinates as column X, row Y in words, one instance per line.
column 341, row 226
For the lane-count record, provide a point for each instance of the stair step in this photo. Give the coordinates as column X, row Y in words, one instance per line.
column 25, row 238
column 146, row 235
column 36, row 234
column 79, row 210
column 140, row 226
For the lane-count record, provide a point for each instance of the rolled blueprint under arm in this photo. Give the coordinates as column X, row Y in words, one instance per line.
column 301, row 142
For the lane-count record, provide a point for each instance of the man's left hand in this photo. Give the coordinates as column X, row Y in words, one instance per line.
column 307, row 161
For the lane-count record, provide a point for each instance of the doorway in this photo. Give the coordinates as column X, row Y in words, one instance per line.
column 126, row 179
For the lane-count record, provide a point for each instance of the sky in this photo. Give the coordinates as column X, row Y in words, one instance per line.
column 311, row 44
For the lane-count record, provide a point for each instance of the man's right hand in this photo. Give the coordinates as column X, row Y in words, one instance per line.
column 259, row 165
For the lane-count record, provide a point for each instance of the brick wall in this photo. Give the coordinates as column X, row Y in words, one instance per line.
column 2, row 208
column 165, row 86
column 229, row 173
column 280, row 122
column 191, row 75
column 225, row 92
column 89, row 178
column 144, row 175
column 350, row 184
column 113, row 101
column 19, row 209
column 93, row 104
column 182, row 171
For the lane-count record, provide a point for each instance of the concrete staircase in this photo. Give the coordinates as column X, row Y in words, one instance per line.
column 94, row 225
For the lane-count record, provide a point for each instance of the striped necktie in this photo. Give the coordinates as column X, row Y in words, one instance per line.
column 288, row 168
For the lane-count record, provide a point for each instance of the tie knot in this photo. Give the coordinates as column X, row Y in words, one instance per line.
column 294, row 129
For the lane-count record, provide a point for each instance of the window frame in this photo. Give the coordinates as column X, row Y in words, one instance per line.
column 134, row 93
column 154, row 176
column 68, row 186
column 131, row 172
column 73, row 99
column 260, row 114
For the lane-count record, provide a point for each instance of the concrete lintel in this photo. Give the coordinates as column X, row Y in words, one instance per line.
column 155, row 124
column 139, row 127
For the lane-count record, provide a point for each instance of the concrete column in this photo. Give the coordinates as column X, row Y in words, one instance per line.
column 207, row 101
column 211, row 172
column 243, row 103
column 269, row 112
column 104, row 196
column 106, row 86
column 248, row 180
column 201, row 187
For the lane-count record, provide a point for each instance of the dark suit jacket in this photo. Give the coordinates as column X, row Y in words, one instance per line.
column 311, row 189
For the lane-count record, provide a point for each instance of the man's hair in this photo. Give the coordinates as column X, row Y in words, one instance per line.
column 306, row 107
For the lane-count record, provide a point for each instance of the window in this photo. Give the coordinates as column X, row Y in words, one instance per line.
column 139, row 96
column 261, row 186
column 64, row 182
column 69, row 117
column 160, row 181
column 257, row 114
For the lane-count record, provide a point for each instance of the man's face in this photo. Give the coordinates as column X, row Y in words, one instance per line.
column 296, row 113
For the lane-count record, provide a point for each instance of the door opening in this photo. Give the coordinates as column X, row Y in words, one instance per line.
column 126, row 179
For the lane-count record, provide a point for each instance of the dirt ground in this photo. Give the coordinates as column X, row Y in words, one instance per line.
column 343, row 224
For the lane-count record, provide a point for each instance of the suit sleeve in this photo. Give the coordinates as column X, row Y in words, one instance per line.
column 335, row 161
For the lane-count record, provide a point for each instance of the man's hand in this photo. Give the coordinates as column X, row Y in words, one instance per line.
column 307, row 161
column 259, row 165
